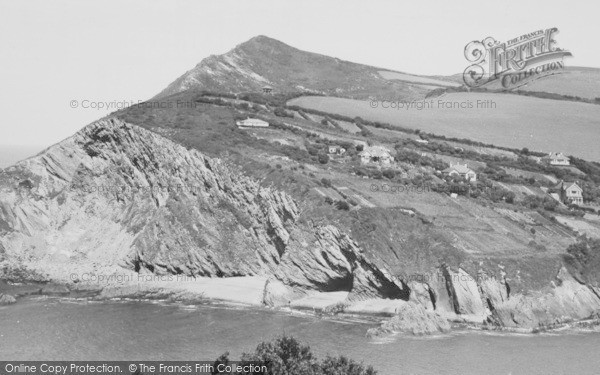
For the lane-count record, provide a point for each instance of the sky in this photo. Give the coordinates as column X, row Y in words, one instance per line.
column 53, row 53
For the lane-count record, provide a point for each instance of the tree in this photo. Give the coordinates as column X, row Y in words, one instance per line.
column 323, row 158
column 286, row 356
column 326, row 182
column 342, row 205
column 584, row 258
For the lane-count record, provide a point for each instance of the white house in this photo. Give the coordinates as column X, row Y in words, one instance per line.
column 570, row 192
column 461, row 170
column 376, row 154
column 336, row 150
column 556, row 158
column 252, row 123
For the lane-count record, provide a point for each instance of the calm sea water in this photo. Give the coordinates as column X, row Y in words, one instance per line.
column 51, row 328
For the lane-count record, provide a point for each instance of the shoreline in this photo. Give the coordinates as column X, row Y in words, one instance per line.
column 248, row 292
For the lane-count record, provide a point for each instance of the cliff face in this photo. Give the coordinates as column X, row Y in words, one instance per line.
column 117, row 196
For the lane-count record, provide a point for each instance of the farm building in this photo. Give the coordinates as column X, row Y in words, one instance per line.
column 252, row 123
column 461, row 170
column 376, row 154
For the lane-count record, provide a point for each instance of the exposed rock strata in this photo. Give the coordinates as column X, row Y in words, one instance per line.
column 116, row 196
column 118, row 200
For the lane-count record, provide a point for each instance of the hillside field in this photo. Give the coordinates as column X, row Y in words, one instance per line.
column 516, row 121
column 575, row 81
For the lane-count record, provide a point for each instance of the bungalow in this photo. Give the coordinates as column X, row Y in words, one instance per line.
column 376, row 154
column 570, row 192
column 556, row 158
column 461, row 170
column 252, row 123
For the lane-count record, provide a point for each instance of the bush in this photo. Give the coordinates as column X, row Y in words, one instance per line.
column 584, row 257
column 326, row 182
column 342, row 205
column 286, row 356
column 323, row 158
column 280, row 112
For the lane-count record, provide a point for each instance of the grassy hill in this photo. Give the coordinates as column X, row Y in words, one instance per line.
column 408, row 233
column 574, row 82
column 263, row 61
column 516, row 121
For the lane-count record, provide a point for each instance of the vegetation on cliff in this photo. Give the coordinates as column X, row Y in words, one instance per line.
column 286, row 356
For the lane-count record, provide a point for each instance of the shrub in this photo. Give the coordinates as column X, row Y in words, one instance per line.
column 323, row 158
column 584, row 257
column 280, row 112
column 326, row 182
column 286, row 356
column 342, row 205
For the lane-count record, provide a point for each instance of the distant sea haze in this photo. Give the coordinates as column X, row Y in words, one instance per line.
column 10, row 154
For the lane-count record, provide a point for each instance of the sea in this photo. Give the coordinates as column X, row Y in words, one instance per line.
column 58, row 328
column 9, row 155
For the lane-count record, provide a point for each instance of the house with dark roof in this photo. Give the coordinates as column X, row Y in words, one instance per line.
column 461, row 170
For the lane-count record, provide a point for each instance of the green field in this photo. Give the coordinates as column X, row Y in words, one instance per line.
column 416, row 79
column 516, row 121
column 582, row 82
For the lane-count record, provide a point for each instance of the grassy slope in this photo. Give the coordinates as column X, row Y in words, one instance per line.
column 573, row 81
column 517, row 121
column 416, row 79
column 265, row 61
column 462, row 232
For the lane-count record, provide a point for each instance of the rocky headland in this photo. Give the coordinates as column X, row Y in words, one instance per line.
column 126, row 213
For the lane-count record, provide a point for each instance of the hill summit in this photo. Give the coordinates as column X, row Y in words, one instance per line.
column 266, row 62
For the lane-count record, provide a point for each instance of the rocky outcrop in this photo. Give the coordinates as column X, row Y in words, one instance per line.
column 414, row 319
column 115, row 201
column 116, row 197
column 485, row 299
